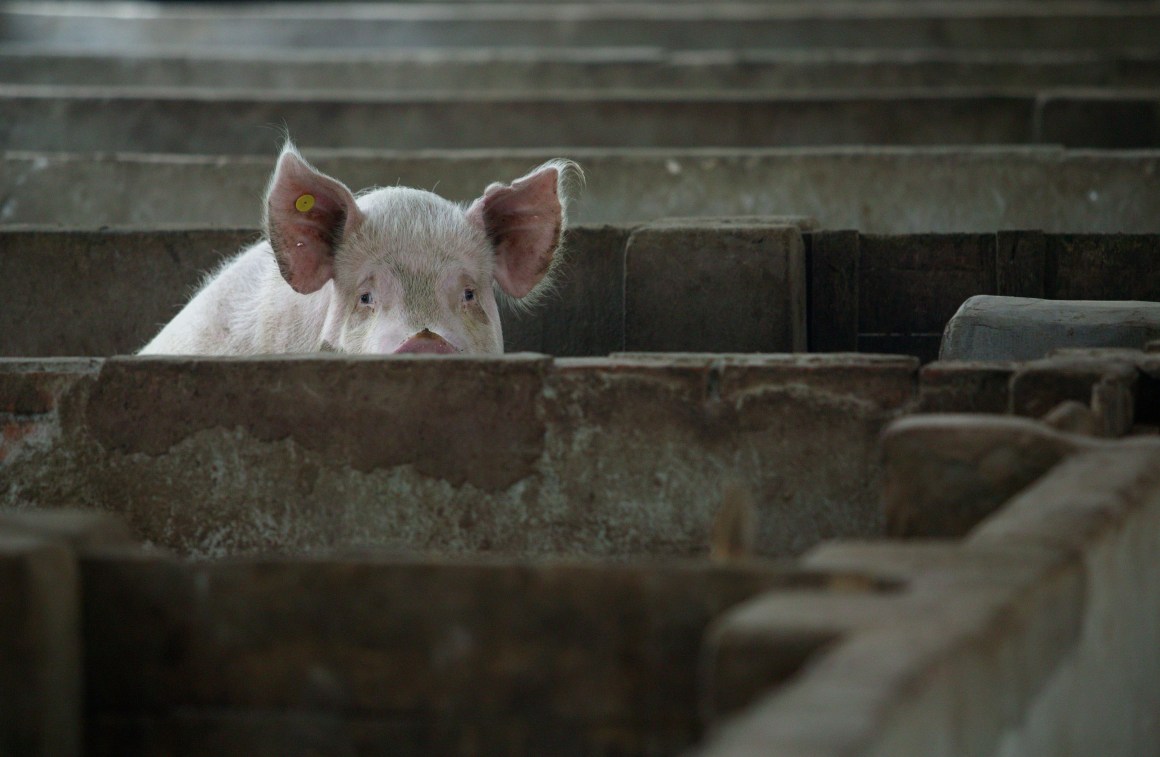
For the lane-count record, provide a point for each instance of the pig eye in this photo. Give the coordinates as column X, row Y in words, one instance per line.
column 365, row 298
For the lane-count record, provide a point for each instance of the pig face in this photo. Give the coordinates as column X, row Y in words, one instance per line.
column 406, row 270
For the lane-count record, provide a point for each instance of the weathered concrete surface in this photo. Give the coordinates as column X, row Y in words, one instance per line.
column 1105, row 507
column 730, row 286
column 1038, row 635
column 121, row 286
column 40, row 679
column 989, row 327
column 946, row 473
column 133, row 282
column 960, row 387
column 875, row 190
column 937, row 667
column 207, row 122
column 884, row 294
column 1108, row 385
column 498, row 69
column 1023, row 25
column 404, row 655
column 622, row 456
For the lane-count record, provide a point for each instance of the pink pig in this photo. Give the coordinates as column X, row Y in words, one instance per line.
column 393, row 270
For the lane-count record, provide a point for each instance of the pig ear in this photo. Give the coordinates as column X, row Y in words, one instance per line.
column 524, row 221
column 307, row 216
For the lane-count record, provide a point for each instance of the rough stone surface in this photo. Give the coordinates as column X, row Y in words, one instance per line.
column 715, row 287
column 988, row 327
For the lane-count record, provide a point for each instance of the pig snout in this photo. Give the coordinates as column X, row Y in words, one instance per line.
column 426, row 342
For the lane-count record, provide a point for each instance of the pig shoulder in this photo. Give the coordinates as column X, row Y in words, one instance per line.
column 245, row 308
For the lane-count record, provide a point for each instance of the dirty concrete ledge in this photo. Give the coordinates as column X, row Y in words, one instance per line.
column 520, row 454
column 1037, row 634
column 1037, row 631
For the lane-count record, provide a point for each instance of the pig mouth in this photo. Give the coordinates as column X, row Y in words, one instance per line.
column 426, row 342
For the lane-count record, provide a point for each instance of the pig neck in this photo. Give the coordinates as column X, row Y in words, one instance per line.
column 287, row 321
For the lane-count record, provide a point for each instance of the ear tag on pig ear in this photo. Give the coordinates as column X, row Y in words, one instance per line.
column 304, row 203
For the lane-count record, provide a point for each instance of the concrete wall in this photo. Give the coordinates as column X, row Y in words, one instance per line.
column 519, row 455
column 1016, row 25
column 942, row 189
column 473, row 70
column 1035, row 634
column 744, row 285
column 209, row 122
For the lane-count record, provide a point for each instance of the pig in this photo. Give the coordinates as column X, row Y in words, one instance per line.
column 391, row 270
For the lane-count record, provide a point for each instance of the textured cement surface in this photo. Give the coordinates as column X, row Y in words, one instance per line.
column 883, row 23
column 205, row 121
column 988, row 327
column 609, row 457
column 875, row 190
column 483, row 69
column 1035, row 636
column 889, row 294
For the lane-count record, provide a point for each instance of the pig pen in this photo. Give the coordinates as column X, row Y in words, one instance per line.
column 531, row 579
column 419, row 555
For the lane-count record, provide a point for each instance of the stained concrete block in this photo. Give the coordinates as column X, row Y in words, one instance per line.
column 720, row 287
column 40, row 678
column 988, row 327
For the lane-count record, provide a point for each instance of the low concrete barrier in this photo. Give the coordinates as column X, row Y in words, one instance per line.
column 875, row 190
column 987, row 327
column 863, row 292
column 997, row 644
column 1021, row 25
column 616, row 457
column 95, row 119
column 636, row 68
column 995, row 641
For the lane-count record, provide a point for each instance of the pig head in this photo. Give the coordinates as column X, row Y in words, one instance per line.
column 391, row 270
column 411, row 271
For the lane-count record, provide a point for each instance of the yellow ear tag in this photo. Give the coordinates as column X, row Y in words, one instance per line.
column 304, row 203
